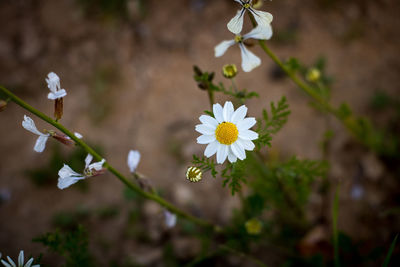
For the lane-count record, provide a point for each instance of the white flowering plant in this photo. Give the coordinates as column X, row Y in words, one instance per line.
column 234, row 144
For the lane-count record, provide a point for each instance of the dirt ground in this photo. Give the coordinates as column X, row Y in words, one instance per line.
column 130, row 86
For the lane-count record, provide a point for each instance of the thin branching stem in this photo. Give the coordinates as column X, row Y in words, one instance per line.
column 107, row 165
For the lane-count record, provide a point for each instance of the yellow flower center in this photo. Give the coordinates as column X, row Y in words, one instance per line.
column 238, row 39
column 247, row 6
column 226, row 133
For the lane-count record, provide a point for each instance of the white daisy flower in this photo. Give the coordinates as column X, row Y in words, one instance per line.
column 228, row 133
column 133, row 160
column 170, row 219
column 68, row 177
column 263, row 19
column 249, row 60
column 21, row 259
column 29, row 125
column 53, row 82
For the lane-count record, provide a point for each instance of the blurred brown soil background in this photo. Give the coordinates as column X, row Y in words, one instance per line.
column 130, row 86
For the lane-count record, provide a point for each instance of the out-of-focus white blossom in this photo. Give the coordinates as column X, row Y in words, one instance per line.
column 170, row 219
column 53, row 82
column 249, row 60
column 263, row 19
column 133, row 160
column 68, row 177
column 29, row 125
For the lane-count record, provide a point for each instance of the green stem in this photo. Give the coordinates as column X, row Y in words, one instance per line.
column 211, row 97
column 348, row 122
column 106, row 165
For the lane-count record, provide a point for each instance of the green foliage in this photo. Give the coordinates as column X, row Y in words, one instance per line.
column 72, row 245
column 205, row 82
column 272, row 122
column 105, row 8
column 205, row 164
column 335, row 216
column 234, row 175
column 390, row 252
column 285, row 186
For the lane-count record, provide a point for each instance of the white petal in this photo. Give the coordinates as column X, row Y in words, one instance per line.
column 78, row 135
column 246, row 123
column 29, row 263
column 263, row 18
column 246, row 144
column 228, row 111
column 66, row 171
column 248, row 135
column 6, row 264
column 238, row 150
column 221, row 48
column 208, row 120
column 21, row 258
column 29, row 125
column 239, row 114
column 133, row 160
column 231, row 156
column 211, row 149
column 11, row 262
column 222, row 153
column 58, row 94
column 205, row 129
column 88, row 159
column 235, row 25
column 53, row 81
column 249, row 60
column 64, row 182
column 205, row 139
column 263, row 32
column 218, row 113
column 40, row 144
column 97, row 165
column 170, row 219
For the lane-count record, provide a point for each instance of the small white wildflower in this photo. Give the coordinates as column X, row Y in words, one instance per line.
column 53, row 83
column 228, row 134
column 29, row 125
column 68, row 177
column 21, row 259
column 263, row 19
column 170, row 219
column 249, row 60
column 133, row 160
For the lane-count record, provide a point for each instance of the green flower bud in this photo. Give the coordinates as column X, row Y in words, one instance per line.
column 194, row 174
column 253, row 226
column 229, row 71
column 313, row 75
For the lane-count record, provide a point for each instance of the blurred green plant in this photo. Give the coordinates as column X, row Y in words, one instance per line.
column 71, row 245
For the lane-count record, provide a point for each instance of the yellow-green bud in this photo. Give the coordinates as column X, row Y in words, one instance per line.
column 257, row 4
column 313, row 75
column 253, row 226
column 229, row 71
column 3, row 105
column 194, row 174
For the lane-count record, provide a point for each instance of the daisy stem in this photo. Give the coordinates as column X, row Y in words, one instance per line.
column 106, row 165
column 211, row 97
